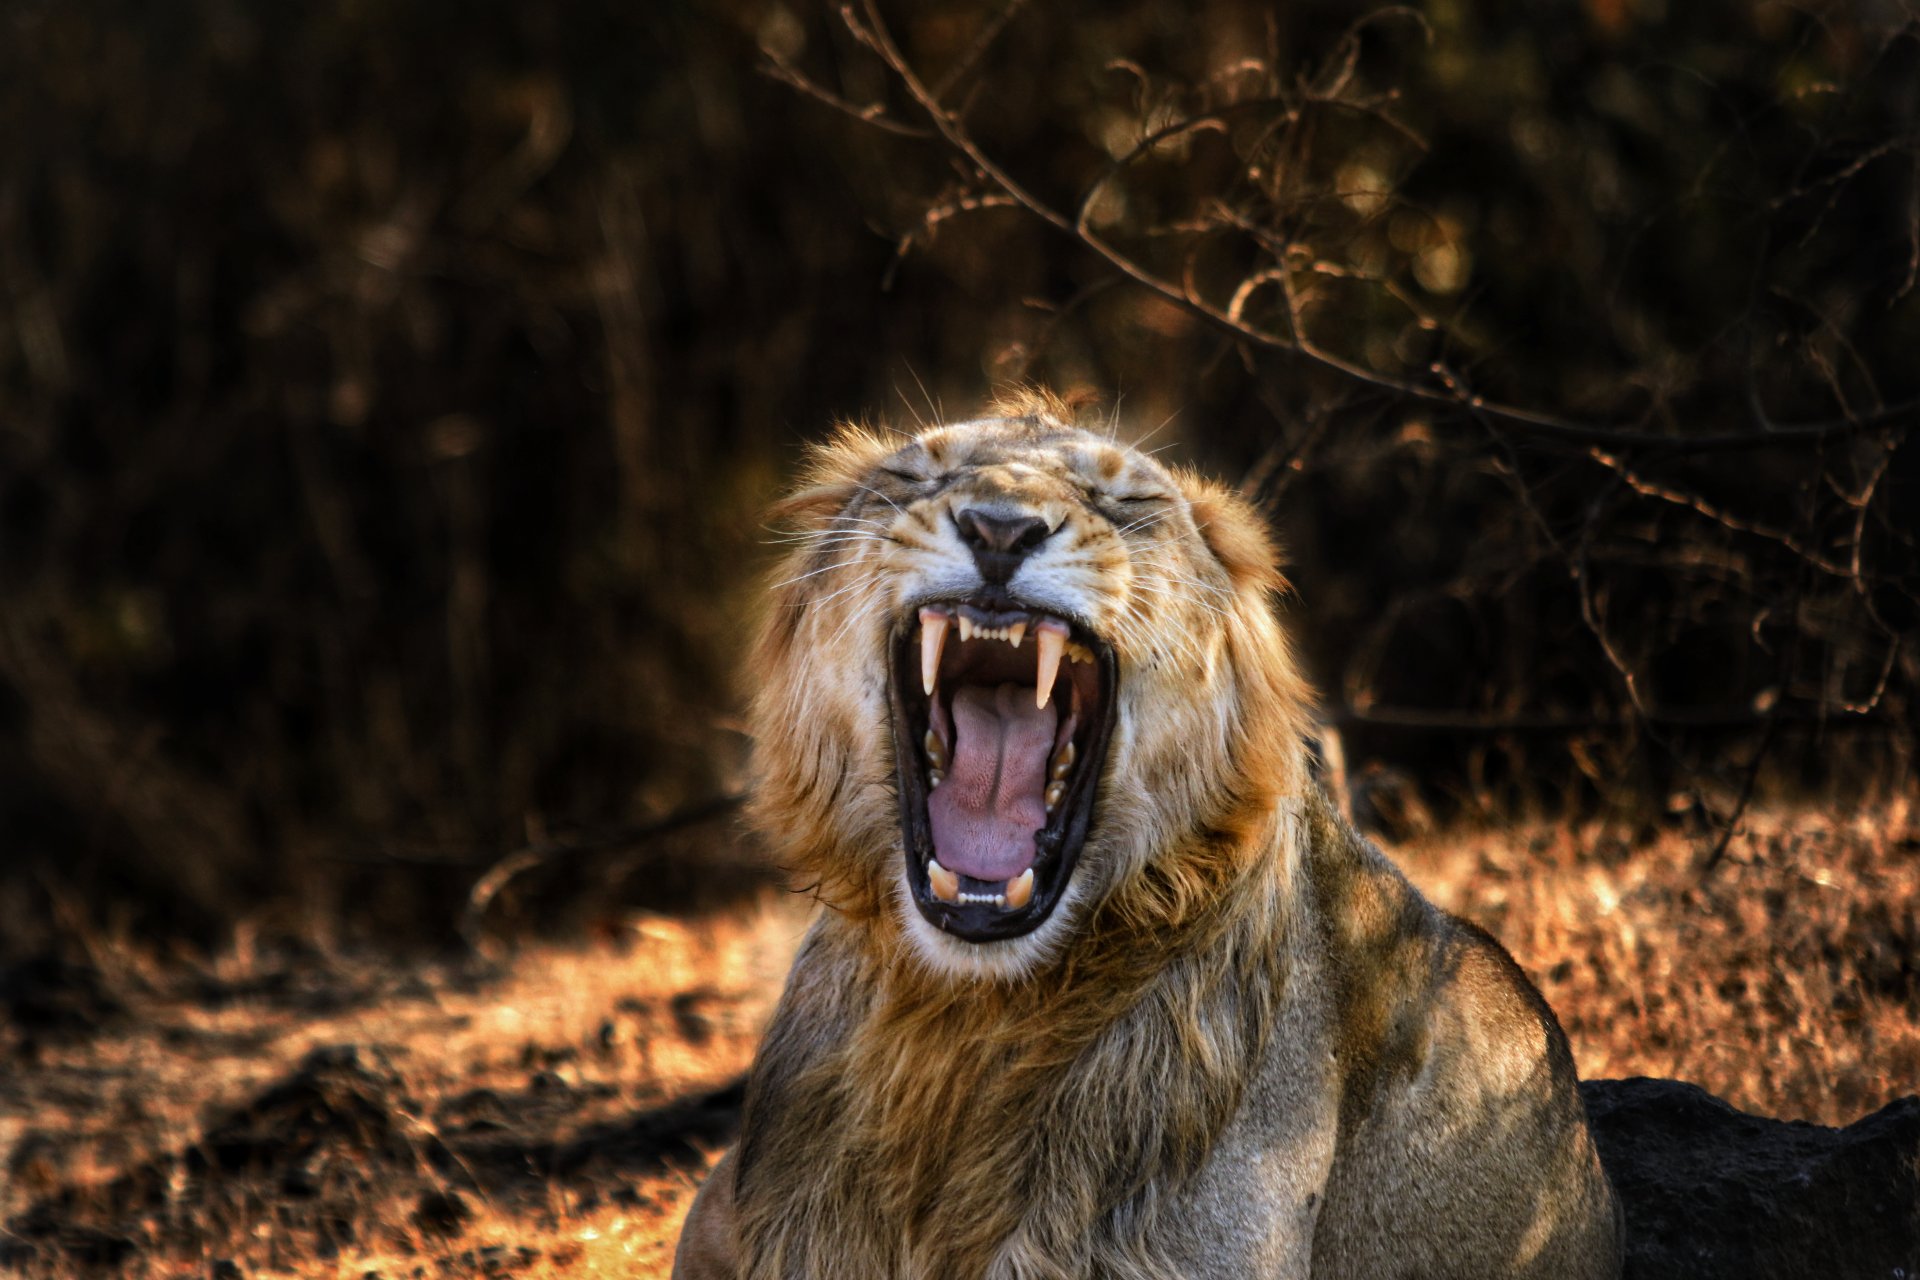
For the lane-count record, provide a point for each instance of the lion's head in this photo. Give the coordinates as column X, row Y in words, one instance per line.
column 1011, row 667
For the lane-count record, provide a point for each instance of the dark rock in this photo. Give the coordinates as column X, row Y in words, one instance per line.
column 336, row 1102
column 1713, row 1192
column 442, row 1213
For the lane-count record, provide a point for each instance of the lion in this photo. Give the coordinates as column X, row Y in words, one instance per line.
column 1103, row 986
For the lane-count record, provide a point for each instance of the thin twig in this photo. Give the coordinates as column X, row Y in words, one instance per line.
column 1746, row 797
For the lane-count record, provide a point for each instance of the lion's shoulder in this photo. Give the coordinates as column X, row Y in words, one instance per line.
column 1421, row 992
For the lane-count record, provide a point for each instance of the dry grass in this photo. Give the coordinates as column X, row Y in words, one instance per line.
column 525, row 1119
column 1786, row 980
column 532, row 1117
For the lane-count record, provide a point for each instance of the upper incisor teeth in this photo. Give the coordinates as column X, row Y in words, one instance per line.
column 1053, row 646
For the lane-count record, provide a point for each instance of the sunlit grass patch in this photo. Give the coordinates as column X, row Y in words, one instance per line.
column 1786, row 978
column 549, row 1112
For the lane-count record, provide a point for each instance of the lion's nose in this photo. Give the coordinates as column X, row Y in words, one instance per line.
column 1000, row 540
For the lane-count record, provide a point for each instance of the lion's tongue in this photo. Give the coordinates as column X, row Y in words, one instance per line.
column 993, row 800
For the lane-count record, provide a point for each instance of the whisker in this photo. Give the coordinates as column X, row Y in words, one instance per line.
column 1144, row 522
column 828, row 539
column 811, row 573
column 855, row 614
column 867, row 488
column 1159, row 589
column 863, row 584
column 1139, row 441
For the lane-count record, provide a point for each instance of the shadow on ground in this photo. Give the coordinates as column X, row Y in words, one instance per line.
column 326, row 1151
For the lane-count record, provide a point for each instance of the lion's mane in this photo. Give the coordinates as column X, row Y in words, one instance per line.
column 917, row 1123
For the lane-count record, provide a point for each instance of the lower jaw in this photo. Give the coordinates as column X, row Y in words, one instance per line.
column 976, row 922
column 987, row 920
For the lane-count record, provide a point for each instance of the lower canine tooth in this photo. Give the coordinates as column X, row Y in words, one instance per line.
column 1020, row 889
column 946, row 885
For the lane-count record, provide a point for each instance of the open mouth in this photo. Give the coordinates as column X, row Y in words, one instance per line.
column 1001, row 721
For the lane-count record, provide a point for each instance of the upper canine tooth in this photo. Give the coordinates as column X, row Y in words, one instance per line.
column 1020, row 889
column 946, row 885
column 933, row 638
column 1016, row 633
column 1052, row 645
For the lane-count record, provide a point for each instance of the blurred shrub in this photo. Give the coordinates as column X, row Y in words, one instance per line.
column 388, row 394
column 1570, row 346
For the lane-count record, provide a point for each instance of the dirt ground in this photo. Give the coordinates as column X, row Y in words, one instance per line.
column 549, row 1111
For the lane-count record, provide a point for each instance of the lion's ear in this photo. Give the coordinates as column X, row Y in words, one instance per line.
column 834, row 472
column 1236, row 535
column 812, row 505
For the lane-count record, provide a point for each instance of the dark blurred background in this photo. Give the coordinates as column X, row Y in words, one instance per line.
column 389, row 395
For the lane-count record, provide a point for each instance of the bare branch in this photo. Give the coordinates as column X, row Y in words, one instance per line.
column 1693, row 502
column 874, row 113
column 870, row 29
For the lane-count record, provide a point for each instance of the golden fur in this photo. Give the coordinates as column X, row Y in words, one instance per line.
column 1046, row 1106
